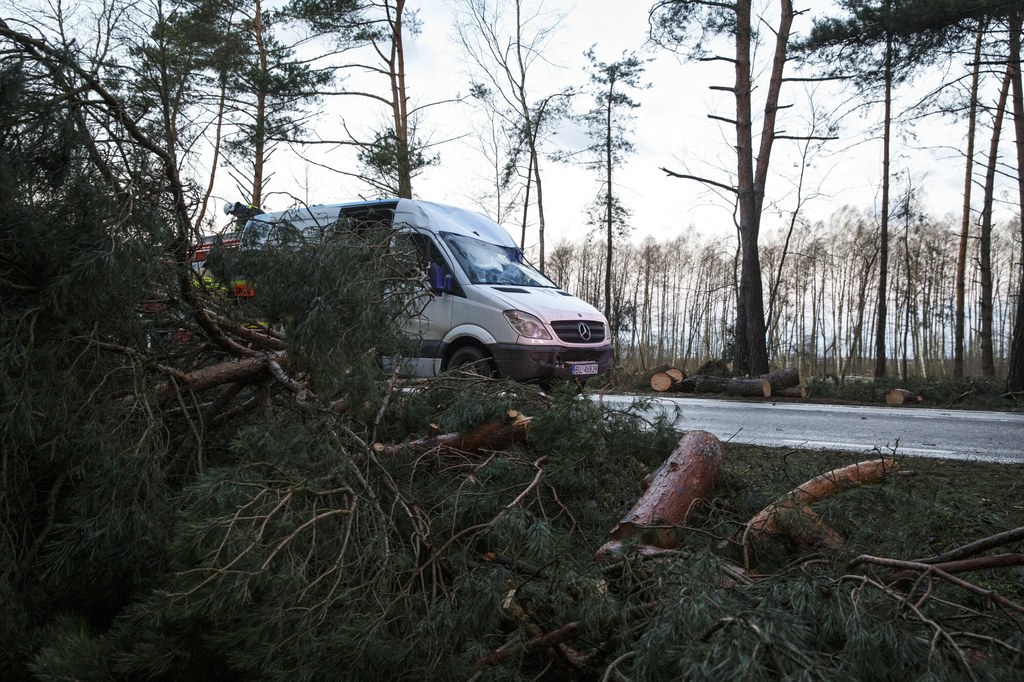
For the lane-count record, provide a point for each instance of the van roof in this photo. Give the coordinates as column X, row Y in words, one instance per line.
column 413, row 212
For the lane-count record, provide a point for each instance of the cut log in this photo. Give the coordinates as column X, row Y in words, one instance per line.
column 667, row 379
column 792, row 513
column 661, row 382
column 750, row 388
column 687, row 476
column 793, row 392
column 775, row 382
column 510, row 429
column 901, row 396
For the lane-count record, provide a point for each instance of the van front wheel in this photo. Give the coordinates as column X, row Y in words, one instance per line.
column 472, row 359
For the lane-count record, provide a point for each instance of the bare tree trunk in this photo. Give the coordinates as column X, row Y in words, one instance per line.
column 751, row 350
column 201, row 214
column 609, row 211
column 961, row 259
column 259, row 137
column 883, row 265
column 1015, row 371
column 400, row 103
column 988, row 366
column 526, row 207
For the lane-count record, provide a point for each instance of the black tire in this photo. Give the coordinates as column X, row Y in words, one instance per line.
column 472, row 359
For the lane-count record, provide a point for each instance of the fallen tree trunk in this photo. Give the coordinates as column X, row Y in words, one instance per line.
column 687, row 476
column 228, row 372
column 764, row 386
column 773, row 383
column 493, row 435
column 901, row 396
column 792, row 392
column 707, row 384
column 792, row 514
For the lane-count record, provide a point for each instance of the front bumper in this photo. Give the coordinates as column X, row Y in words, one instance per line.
column 528, row 363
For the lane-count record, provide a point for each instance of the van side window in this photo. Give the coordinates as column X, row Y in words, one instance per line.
column 426, row 253
column 366, row 219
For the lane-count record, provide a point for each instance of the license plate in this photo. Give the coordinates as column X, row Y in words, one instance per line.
column 582, row 369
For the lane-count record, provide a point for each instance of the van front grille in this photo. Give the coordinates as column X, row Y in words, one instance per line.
column 579, row 331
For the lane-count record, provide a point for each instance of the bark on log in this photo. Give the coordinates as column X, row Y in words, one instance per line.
column 229, row 372
column 775, row 382
column 901, row 396
column 792, row 392
column 792, row 513
column 764, row 386
column 510, row 429
column 750, row 388
column 688, row 475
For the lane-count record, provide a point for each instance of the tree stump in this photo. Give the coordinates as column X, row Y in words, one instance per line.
column 687, row 476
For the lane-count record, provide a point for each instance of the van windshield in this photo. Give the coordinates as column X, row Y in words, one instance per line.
column 486, row 263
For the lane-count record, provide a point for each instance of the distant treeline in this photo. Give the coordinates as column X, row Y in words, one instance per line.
column 674, row 300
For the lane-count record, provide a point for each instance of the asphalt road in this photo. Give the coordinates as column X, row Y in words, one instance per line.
column 954, row 434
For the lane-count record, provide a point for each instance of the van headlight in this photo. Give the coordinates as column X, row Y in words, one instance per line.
column 526, row 325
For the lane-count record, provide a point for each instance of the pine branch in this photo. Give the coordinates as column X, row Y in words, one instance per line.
column 705, row 181
column 931, row 569
column 976, row 547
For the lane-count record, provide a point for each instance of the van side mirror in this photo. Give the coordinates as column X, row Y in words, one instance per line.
column 440, row 283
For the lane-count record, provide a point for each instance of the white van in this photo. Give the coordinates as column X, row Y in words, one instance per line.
column 488, row 308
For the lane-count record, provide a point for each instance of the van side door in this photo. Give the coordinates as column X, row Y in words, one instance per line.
column 430, row 308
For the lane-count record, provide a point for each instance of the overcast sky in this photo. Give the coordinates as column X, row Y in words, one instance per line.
column 671, row 129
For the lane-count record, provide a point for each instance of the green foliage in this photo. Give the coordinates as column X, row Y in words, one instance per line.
column 919, row 32
column 690, row 25
column 341, row 295
column 390, row 158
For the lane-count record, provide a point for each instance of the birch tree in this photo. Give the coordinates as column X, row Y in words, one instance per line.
column 505, row 43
